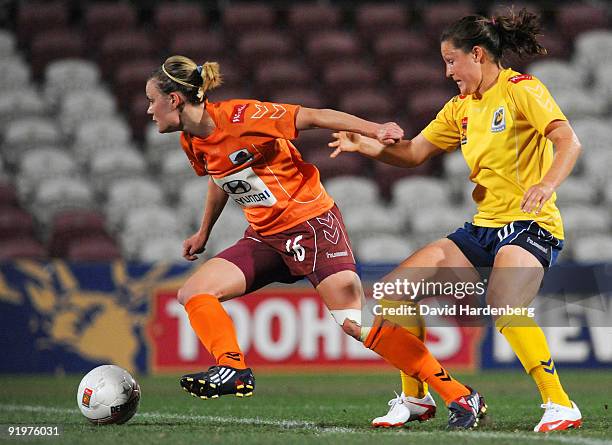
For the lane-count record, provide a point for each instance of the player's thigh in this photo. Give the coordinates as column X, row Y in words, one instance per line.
column 515, row 279
column 440, row 261
column 341, row 290
column 217, row 277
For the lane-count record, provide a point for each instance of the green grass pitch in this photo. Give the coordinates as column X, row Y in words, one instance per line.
column 305, row 408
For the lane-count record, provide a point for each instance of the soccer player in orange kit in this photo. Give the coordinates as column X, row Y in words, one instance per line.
column 244, row 147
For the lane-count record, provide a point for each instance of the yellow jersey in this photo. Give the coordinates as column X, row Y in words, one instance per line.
column 501, row 136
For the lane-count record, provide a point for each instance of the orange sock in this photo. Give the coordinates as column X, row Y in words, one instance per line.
column 215, row 330
column 406, row 352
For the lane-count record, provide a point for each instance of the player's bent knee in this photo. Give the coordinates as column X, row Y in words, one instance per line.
column 187, row 292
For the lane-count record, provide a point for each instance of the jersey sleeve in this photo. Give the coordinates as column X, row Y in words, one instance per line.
column 265, row 119
column 444, row 131
column 534, row 101
column 198, row 166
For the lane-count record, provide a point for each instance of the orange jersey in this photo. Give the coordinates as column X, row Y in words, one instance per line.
column 250, row 157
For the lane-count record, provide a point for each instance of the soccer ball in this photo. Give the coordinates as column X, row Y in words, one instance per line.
column 108, row 394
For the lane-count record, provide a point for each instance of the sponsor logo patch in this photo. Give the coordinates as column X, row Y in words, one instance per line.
column 247, row 189
column 238, row 113
column 499, row 120
column 86, row 397
column 236, row 187
column 517, row 79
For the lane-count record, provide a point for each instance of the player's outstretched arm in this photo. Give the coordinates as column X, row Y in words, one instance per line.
column 307, row 118
column 215, row 203
column 405, row 153
column 567, row 149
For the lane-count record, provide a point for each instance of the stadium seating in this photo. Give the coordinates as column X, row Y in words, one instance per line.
column 372, row 19
column 147, row 224
column 57, row 194
column 72, row 227
column 69, row 75
column 593, row 249
column 54, row 45
column 94, row 249
column 368, row 103
column 128, row 194
column 115, row 163
column 75, row 133
column 328, row 45
column 37, row 17
column 238, row 17
column 305, row 19
column 277, row 75
column 176, row 18
column 15, row 73
column 431, row 193
column 575, row 18
column 383, row 249
column 352, row 191
column 102, row 18
column 394, row 47
column 15, row 104
column 369, row 220
column 16, row 248
column 200, row 45
column 7, row 44
column 15, row 223
column 79, row 107
column 39, row 164
column 259, row 47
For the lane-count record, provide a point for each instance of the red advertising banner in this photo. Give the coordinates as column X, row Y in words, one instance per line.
column 286, row 327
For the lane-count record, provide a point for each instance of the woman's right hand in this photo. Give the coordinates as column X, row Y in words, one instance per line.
column 194, row 245
column 345, row 141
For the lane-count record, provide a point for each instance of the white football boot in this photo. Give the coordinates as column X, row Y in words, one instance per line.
column 407, row 409
column 558, row 417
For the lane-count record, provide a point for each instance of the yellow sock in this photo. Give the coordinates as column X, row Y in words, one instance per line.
column 414, row 324
column 529, row 344
column 413, row 387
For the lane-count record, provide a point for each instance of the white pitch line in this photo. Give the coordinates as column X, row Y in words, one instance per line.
column 311, row 426
column 286, row 424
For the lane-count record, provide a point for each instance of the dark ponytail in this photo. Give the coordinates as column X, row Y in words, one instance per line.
column 498, row 35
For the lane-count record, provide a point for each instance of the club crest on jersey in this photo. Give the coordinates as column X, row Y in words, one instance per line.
column 499, row 120
column 464, row 124
column 241, row 156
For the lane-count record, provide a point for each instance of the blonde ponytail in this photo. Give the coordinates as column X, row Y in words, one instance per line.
column 211, row 76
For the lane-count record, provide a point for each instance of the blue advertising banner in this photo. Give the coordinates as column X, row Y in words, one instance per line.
column 69, row 317
column 57, row 316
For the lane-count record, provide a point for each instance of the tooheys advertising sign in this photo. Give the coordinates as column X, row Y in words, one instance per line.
column 285, row 326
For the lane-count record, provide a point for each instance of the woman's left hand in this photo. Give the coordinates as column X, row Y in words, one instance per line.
column 535, row 198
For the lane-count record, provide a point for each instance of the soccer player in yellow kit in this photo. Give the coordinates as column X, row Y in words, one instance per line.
column 505, row 124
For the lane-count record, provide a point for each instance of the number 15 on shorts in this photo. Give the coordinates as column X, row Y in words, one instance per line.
column 298, row 251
